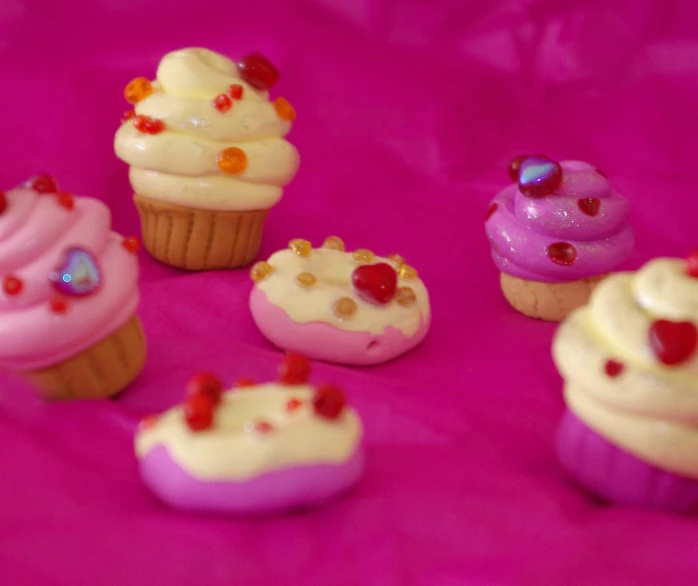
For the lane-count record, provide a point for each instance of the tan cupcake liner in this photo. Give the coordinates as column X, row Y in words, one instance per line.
column 199, row 240
column 547, row 301
column 102, row 370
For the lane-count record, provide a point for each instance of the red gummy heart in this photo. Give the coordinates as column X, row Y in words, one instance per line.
column 205, row 384
column 589, row 205
column 673, row 342
column 375, row 283
column 294, row 369
column 329, row 401
column 562, row 253
column 692, row 264
column 258, row 71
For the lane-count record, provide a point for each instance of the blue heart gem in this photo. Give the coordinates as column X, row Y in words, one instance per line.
column 79, row 275
column 539, row 176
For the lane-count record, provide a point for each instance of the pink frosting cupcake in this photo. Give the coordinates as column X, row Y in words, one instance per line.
column 555, row 234
column 69, row 294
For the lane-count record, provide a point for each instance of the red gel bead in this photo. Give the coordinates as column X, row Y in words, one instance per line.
column 294, row 369
column 128, row 115
column 222, row 103
column 132, row 244
column 245, row 382
column 293, row 405
column 12, row 285
column 589, row 205
column 490, row 211
column 42, row 184
column 148, row 422
column 673, row 342
column 205, row 384
column 235, row 91
column 375, row 283
column 329, row 401
column 258, row 71
column 198, row 412
column 613, row 368
column 58, row 305
column 148, row 125
column 3, row 201
column 562, row 253
column 263, row 427
column 692, row 264
column 66, row 200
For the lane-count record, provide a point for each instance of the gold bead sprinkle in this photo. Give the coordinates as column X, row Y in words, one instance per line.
column 334, row 242
column 363, row 255
column 407, row 272
column 306, row 279
column 397, row 259
column 345, row 307
column 300, row 247
column 261, row 270
column 405, row 296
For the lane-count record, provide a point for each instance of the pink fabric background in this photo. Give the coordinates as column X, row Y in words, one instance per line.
column 409, row 111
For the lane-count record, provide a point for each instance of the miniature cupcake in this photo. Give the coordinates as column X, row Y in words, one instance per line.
column 208, row 158
column 264, row 448
column 629, row 361
column 343, row 307
column 69, row 294
column 555, row 234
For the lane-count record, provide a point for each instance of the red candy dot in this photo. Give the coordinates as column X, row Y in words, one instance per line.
column 490, row 211
column 258, row 71
column 222, row 103
column 613, row 368
column 673, row 342
column 128, row 115
column 329, row 401
column 293, row 405
column 589, row 205
column 12, row 285
column 294, row 369
column 66, row 200
column 235, row 91
column 3, row 201
column 692, row 264
column 562, row 253
column 198, row 412
column 375, row 283
column 148, row 125
column 244, row 382
column 148, row 422
column 58, row 305
column 263, row 427
column 207, row 385
column 132, row 244
column 42, row 184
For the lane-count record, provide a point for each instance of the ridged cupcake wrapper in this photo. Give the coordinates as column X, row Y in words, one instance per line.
column 547, row 301
column 617, row 476
column 102, row 370
column 199, row 240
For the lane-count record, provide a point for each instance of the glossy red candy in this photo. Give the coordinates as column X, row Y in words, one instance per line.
column 12, row 285
column 539, row 176
column 132, row 244
column 614, row 368
column 42, row 184
column 562, row 253
column 673, row 342
column 222, row 103
column 589, row 205
column 294, row 369
column 293, row 404
column 235, row 91
column 66, row 200
column 198, row 412
column 205, row 384
column 329, row 401
column 375, row 283
column 59, row 305
column 692, row 264
column 258, row 71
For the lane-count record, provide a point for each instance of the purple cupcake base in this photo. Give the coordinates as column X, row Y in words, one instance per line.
column 274, row 492
column 616, row 476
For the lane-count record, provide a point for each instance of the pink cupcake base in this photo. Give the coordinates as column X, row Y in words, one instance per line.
column 618, row 477
column 321, row 341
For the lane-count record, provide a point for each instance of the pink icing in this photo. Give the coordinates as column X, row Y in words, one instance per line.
column 35, row 231
column 522, row 228
column 322, row 341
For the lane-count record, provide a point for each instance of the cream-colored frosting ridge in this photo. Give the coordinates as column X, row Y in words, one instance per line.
column 233, row 450
column 179, row 165
column 333, row 270
column 649, row 409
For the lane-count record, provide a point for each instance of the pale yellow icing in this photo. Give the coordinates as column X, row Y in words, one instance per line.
column 179, row 165
column 333, row 270
column 650, row 409
column 231, row 450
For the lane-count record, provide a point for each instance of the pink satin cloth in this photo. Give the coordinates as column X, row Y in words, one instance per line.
column 409, row 111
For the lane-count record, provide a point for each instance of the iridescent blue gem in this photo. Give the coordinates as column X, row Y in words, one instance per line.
column 79, row 275
column 539, row 176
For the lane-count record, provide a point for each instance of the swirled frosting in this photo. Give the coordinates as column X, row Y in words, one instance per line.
column 585, row 212
column 179, row 165
column 35, row 233
column 646, row 407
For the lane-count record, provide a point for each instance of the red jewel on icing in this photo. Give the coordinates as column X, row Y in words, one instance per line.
column 562, row 253
column 294, row 369
column 132, row 244
column 293, row 405
column 244, row 382
column 329, row 401
column 258, row 71
column 222, row 103
column 692, row 264
column 375, row 283
column 12, row 285
column 490, row 211
column 235, row 91
column 673, row 342
column 58, row 305
column 613, row 368
column 3, row 201
column 128, row 115
column 42, row 184
column 207, row 385
column 589, row 205
column 539, row 176
column 198, row 412
column 66, row 200
column 263, row 427
column 148, row 125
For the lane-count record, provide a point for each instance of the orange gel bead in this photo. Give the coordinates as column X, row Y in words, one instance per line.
column 138, row 89
column 232, row 160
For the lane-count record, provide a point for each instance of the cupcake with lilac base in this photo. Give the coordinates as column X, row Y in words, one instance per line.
column 630, row 366
column 555, row 234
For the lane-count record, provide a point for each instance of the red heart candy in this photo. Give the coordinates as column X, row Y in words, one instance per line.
column 375, row 283
column 589, row 205
column 673, row 342
column 294, row 369
column 562, row 253
column 614, row 368
column 258, row 71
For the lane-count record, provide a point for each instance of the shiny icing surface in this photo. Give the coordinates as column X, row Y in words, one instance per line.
column 233, row 450
column 645, row 407
column 179, row 165
column 35, row 233
column 521, row 229
column 333, row 270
